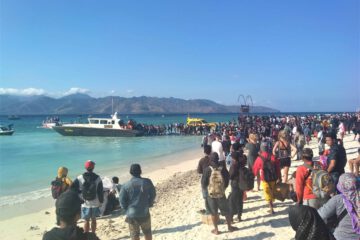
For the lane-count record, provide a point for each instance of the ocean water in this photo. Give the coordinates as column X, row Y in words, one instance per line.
column 29, row 159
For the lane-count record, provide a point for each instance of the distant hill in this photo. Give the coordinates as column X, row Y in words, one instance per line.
column 85, row 104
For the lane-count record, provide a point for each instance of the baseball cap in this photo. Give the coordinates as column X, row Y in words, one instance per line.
column 89, row 164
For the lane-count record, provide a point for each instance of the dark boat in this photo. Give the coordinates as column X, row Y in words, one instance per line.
column 6, row 131
column 100, row 127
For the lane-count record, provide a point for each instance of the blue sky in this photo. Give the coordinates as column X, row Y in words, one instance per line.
column 290, row 55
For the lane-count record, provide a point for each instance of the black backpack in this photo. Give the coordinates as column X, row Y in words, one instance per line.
column 89, row 189
column 269, row 170
column 246, row 179
column 56, row 188
column 342, row 157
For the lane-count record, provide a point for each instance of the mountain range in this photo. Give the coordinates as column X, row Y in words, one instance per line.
column 85, row 104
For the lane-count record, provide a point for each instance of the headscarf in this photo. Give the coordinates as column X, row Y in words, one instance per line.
column 62, row 172
column 308, row 224
column 349, row 190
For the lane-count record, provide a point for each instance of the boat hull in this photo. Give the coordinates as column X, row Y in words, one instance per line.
column 7, row 133
column 96, row 132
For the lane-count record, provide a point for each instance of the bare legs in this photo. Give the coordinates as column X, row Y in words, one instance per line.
column 285, row 174
column 258, row 181
column 215, row 219
column 87, row 225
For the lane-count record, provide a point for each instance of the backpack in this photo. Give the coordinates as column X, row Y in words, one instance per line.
column 216, row 186
column 342, row 157
column 269, row 170
column 246, row 179
column 89, row 189
column 56, row 188
column 322, row 183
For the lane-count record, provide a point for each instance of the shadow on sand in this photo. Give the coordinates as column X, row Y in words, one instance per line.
column 182, row 228
column 259, row 236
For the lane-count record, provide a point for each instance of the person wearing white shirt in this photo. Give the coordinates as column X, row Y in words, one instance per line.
column 217, row 147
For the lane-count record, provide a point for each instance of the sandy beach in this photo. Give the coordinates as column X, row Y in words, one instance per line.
column 174, row 215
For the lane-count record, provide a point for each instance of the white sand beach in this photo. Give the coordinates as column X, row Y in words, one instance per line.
column 174, row 215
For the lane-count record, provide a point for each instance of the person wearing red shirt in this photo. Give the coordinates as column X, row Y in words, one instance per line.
column 267, row 186
column 304, row 191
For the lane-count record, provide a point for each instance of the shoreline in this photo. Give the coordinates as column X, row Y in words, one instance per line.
column 174, row 215
column 44, row 203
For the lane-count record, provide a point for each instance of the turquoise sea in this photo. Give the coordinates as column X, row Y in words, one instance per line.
column 29, row 159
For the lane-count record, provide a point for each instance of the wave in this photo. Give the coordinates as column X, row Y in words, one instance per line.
column 24, row 197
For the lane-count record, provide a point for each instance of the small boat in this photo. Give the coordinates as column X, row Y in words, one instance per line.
column 6, row 130
column 51, row 122
column 13, row 117
column 101, row 127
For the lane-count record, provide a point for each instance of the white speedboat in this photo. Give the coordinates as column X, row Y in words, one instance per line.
column 6, row 131
column 101, row 127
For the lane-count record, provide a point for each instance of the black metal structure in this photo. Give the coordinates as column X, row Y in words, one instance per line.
column 247, row 103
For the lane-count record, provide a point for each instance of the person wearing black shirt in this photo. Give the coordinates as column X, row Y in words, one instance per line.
column 335, row 158
column 68, row 207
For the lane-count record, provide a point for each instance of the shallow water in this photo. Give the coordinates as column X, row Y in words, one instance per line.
column 30, row 158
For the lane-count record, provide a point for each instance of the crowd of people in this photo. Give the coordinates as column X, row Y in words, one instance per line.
column 254, row 149
column 90, row 196
column 265, row 147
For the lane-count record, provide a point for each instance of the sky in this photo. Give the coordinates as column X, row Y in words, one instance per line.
column 290, row 55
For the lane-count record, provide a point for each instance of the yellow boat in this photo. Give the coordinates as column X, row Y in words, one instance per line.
column 195, row 122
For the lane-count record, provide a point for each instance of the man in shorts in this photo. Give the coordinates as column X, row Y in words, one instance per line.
column 216, row 198
column 136, row 197
column 90, row 187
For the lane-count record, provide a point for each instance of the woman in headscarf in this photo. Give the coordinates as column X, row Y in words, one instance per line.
column 307, row 224
column 62, row 174
column 346, row 206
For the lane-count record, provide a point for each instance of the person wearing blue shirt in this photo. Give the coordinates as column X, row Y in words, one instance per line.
column 136, row 197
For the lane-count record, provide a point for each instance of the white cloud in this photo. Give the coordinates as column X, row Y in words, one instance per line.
column 22, row 92
column 130, row 91
column 75, row 90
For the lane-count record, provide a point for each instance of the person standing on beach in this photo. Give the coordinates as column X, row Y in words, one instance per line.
column 252, row 149
column 354, row 164
column 335, row 158
column 136, row 197
column 269, row 168
column 283, row 149
column 216, row 180
column 68, row 208
column 236, row 195
column 303, row 184
column 90, row 187
column 216, row 146
column 203, row 164
column 300, row 142
column 61, row 184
